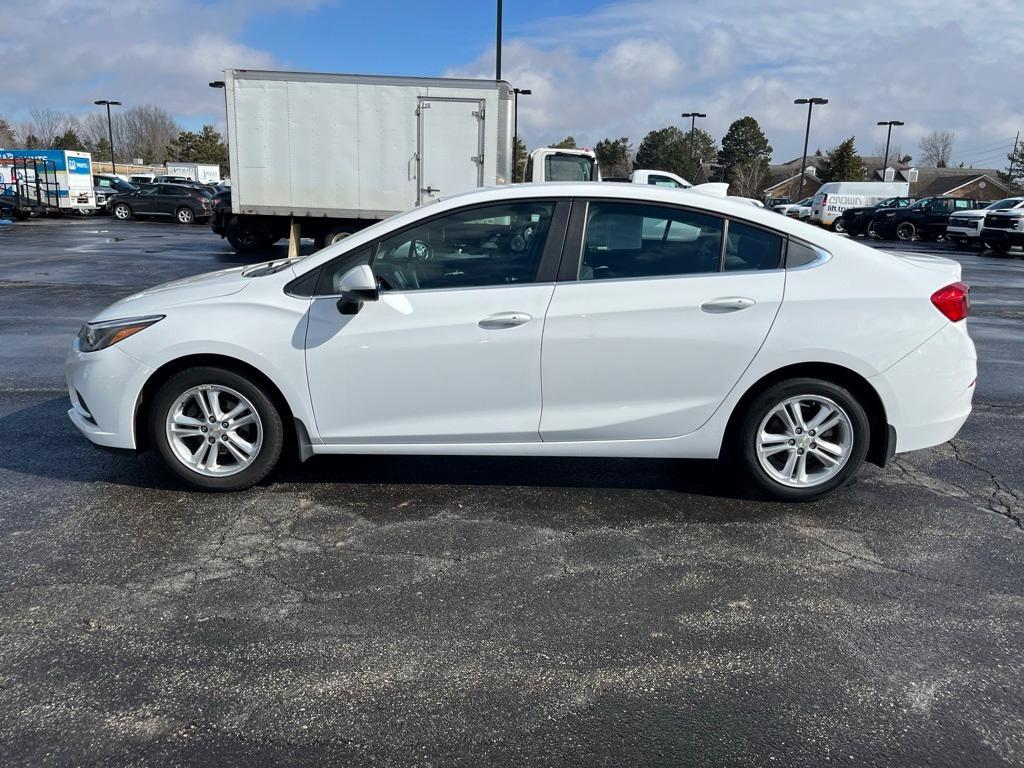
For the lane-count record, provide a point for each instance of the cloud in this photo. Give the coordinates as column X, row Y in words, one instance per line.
column 630, row 67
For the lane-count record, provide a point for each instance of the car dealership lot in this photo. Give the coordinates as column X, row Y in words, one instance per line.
column 485, row 610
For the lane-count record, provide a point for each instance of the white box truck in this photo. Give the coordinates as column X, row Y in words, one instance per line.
column 204, row 173
column 834, row 197
column 336, row 153
column 46, row 181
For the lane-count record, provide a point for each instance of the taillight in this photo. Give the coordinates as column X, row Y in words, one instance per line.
column 824, row 200
column 953, row 301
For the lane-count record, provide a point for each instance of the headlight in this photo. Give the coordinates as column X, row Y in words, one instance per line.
column 96, row 336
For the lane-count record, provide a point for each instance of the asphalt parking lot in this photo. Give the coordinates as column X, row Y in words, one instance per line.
column 491, row 611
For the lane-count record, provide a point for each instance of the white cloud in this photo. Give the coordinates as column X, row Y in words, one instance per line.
column 630, row 67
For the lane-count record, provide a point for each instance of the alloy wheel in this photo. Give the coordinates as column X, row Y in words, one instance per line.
column 804, row 441
column 905, row 231
column 214, row 430
column 185, row 215
column 122, row 212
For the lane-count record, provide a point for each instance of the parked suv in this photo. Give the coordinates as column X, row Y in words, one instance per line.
column 1003, row 229
column 927, row 218
column 185, row 204
column 857, row 221
column 964, row 227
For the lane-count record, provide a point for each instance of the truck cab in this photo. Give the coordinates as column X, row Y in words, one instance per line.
column 553, row 164
column 659, row 179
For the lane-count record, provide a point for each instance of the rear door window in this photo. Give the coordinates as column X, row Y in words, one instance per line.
column 748, row 247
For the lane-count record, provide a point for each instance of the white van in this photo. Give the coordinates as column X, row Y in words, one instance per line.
column 836, row 196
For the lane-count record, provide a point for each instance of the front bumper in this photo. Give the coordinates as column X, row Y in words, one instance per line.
column 962, row 233
column 1010, row 236
column 104, row 388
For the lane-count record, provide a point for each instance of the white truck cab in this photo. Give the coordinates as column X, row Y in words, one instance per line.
column 659, row 179
column 553, row 164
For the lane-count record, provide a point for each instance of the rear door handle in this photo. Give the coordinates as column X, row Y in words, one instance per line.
column 727, row 304
column 504, row 320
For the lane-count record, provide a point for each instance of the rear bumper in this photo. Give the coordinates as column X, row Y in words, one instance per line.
column 927, row 395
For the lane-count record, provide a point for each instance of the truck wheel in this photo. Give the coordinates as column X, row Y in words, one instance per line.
column 242, row 238
column 998, row 247
column 905, row 231
column 839, row 226
column 20, row 214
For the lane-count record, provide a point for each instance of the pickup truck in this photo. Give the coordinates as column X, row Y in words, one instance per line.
column 857, row 221
column 1003, row 229
column 927, row 218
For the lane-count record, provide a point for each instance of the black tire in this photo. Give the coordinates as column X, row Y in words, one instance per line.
column 745, row 439
column 998, row 246
column 185, row 215
column 270, row 418
column 905, row 231
column 243, row 239
column 20, row 214
column 839, row 227
column 122, row 211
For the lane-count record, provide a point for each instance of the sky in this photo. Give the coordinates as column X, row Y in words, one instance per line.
column 596, row 68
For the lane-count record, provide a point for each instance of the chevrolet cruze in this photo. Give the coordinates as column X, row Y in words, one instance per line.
column 543, row 320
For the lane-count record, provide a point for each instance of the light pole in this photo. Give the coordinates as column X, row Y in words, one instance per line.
column 807, row 135
column 516, row 93
column 497, row 50
column 693, row 122
column 110, row 129
column 888, row 135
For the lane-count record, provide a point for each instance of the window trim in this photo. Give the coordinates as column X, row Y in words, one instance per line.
column 547, row 265
column 569, row 269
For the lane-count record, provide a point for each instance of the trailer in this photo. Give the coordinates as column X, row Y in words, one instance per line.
column 326, row 155
column 48, row 181
column 204, row 173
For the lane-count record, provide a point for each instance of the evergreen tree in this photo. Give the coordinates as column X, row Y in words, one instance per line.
column 68, row 140
column 613, row 156
column 520, row 155
column 842, row 163
column 7, row 137
column 207, row 146
column 744, row 156
column 668, row 149
column 569, row 142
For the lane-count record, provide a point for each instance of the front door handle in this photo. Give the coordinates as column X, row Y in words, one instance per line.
column 727, row 304
column 504, row 320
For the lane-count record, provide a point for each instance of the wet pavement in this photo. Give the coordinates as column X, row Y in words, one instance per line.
column 491, row 611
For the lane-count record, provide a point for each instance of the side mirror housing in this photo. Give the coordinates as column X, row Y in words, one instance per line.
column 357, row 285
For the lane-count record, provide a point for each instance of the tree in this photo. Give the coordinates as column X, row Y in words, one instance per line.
column 569, row 142
column 207, row 146
column 7, row 137
column 663, row 150
column 936, row 149
column 100, row 149
column 1014, row 175
column 842, row 163
column 613, row 156
column 32, row 141
column 705, row 150
column 47, row 124
column 744, row 156
column 520, row 155
column 68, row 140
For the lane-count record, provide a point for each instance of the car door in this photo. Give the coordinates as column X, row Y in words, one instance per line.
column 450, row 352
column 169, row 198
column 664, row 310
column 937, row 216
column 145, row 200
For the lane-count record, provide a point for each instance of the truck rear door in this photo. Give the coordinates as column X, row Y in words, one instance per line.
column 450, row 146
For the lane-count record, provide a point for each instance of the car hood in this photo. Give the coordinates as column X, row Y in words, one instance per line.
column 190, row 289
column 971, row 213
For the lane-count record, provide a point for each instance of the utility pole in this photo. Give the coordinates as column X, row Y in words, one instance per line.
column 110, row 129
column 497, row 59
column 693, row 122
column 885, row 160
column 807, row 135
column 1013, row 154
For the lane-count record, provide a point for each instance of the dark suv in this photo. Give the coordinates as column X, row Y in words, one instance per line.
column 927, row 218
column 185, row 204
column 857, row 221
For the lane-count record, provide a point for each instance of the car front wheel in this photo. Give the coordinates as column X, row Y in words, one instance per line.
column 802, row 439
column 215, row 429
column 906, row 231
column 122, row 212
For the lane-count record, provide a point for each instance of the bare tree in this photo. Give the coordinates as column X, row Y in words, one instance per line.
column 144, row 131
column 47, row 124
column 896, row 154
column 936, row 149
column 748, row 178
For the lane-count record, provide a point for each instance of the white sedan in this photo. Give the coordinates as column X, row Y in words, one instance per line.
column 554, row 320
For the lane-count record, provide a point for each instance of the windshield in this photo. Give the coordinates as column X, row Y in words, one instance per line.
column 1010, row 202
column 568, row 168
column 806, row 201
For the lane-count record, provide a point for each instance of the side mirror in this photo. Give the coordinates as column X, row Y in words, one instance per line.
column 357, row 285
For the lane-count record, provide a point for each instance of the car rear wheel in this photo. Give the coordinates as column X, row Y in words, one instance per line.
column 185, row 216
column 905, row 231
column 801, row 439
column 122, row 212
column 215, row 429
column 840, row 227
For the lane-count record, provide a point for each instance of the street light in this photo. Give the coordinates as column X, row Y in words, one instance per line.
column 888, row 135
column 807, row 135
column 110, row 129
column 497, row 47
column 693, row 122
column 516, row 93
